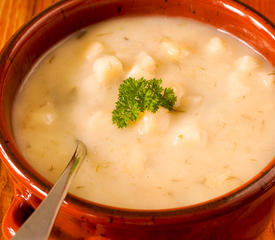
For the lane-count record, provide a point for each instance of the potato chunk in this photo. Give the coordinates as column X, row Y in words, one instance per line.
column 180, row 93
column 45, row 115
column 237, row 88
column 216, row 45
column 96, row 127
column 188, row 131
column 154, row 122
column 173, row 49
column 108, row 69
column 93, row 50
column 268, row 79
column 247, row 63
column 145, row 66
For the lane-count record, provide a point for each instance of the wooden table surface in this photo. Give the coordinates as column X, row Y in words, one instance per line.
column 14, row 13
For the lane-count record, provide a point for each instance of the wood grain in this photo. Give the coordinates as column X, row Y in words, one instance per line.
column 14, row 13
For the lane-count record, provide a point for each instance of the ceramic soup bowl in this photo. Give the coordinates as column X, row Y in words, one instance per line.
column 240, row 214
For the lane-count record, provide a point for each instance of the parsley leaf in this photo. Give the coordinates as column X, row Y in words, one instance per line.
column 136, row 96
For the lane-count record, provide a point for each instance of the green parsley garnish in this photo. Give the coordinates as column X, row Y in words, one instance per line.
column 137, row 96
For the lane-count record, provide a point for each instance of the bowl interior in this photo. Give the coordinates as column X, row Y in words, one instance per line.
column 66, row 17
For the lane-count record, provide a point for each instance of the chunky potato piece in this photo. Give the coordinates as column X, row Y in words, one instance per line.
column 173, row 49
column 107, row 69
column 153, row 122
column 268, row 79
column 180, row 93
column 145, row 66
column 96, row 128
column 189, row 132
column 45, row 115
column 247, row 63
column 216, row 45
column 93, row 50
column 170, row 48
column 237, row 88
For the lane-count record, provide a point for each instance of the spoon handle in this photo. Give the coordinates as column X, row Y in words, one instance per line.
column 38, row 226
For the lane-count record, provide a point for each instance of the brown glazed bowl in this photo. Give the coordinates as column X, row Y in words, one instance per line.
column 239, row 215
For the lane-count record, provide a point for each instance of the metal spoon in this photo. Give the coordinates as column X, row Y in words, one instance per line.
column 39, row 225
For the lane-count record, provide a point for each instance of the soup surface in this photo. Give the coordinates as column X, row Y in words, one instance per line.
column 221, row 134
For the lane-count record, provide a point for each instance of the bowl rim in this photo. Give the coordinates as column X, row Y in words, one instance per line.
column 248, row 191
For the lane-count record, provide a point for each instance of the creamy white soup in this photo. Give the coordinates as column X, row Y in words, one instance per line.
column 220, row 134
